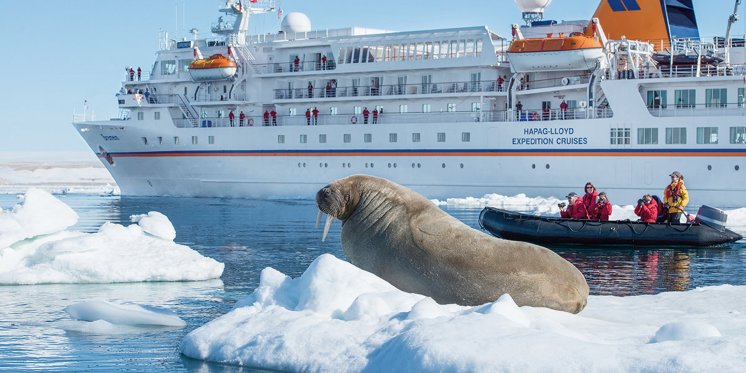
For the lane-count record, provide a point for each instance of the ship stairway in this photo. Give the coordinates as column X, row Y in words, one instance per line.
column 245, row 57
column 188, row 111
column 597, row 100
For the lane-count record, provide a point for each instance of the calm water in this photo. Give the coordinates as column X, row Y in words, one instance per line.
column 247, row 236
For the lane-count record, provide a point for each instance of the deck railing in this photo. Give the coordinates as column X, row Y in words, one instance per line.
column 700, row 110
column 330, row 91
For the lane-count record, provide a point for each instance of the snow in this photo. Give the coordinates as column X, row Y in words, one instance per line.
column 36, row 248
column 336, row 317
column 55, row 172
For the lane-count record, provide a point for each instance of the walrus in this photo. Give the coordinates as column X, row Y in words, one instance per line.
column 402, row 237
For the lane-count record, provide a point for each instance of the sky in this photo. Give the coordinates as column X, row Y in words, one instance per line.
column 60, row 54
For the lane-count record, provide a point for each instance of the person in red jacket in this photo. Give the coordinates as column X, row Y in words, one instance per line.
column 647, row 209
column 273, row 114
column 232, row 118
column 575, row 209
column 308, row 116
column 590, row 197
column 602, row 209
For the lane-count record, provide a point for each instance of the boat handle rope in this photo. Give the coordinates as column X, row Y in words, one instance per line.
column 560, row 222
column 632, row 228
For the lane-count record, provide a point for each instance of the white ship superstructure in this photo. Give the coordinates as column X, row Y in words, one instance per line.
column 448, row 112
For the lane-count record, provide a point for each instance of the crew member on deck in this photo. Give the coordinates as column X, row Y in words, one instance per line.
column 375, row 116
column 676, row 197
column 575, row 208
column 315, row 116
column 273, row 114
column 232, row 118
column 308, row 116
column 602, row 209
column 366, row 113
column 266, row 117
column 241, row 117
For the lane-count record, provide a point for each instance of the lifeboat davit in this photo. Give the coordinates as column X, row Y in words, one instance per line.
column 577, row 51
column 215, row 67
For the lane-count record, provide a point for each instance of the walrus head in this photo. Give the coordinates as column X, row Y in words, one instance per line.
column 337, row 200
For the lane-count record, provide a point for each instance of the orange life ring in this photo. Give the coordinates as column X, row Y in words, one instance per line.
column 353, row 119
column 251, row 121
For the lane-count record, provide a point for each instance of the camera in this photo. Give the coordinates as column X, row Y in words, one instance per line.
column 561, row 205
column 639, row 201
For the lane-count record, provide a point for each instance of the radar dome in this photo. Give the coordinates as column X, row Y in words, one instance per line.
column 532, row 6
column 296, row 22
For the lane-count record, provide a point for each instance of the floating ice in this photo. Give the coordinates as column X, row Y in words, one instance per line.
column 681, row 331
column 336, row 317
column 124, row 314
column 36, row 249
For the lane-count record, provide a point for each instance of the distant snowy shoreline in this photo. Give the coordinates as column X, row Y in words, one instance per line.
column 54, row 172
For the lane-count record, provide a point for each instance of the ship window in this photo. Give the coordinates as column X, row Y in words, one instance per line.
column 657, row 99
column 426, row 108
column 292, row 111
column 450, row 108
column 322, row 138
column 185, row 91
column 476, row 107
column 342, row 53
column 479, row 48
column 176, row 140
column 140, row 115
column 676, row 135
column 685, row 98
column 620, row 136
column 194, row 140
column 741, row 94
column 210, row 139
column 168, row 67
column 738, row 135
column 357, row 110
column 280, row 139
column 392, row 137
column 303, row 139
column 184, row 65
column 441, row 137
column 465, row 136
column 707, row 135
column 647, row 136
column 367, row 137
column 416, row 137
column 347, row 138
column 145, row 139
column 333, row 110
column 160, row 140
column 716, row 97
column 403, row 109
column 157, row 115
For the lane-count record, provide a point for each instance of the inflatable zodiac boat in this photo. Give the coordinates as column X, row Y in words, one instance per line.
column 708, row 229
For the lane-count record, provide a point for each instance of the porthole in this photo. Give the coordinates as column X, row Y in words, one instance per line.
column 326, row 165
column 298, row 164
column 304, row 164
column 321, row 165
column 737, row 168
column 547, row 166
column 344, row 165
column 443, row 165
column 418, row 165
column 371, row 165
column 709, row 167
column 461, row 165
column 389, row 165
column 349, row 165
column 394, row 165
column 533, row 166
column 413, row 165
column 366, row 165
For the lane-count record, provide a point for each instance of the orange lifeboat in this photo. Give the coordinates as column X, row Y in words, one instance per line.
column 215, row 67
column 578, row 51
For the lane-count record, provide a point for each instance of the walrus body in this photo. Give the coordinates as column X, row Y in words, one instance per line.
column 402, row 237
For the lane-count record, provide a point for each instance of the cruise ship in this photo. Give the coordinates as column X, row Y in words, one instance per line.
column 621, row 98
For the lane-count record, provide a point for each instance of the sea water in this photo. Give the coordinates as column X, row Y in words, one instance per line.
column 249, row 235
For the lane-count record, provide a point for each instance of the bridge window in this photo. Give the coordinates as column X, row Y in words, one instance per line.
column 416, row 137
column 322, row 138
column 676, row 135
column 620, row 136
column 647, row 136
column 738, row 135
column 741, row 94
column 685, row 98
column 168, row 67
column 280, row 139
column 707, row 135
column 716, row 97
column 303, row 139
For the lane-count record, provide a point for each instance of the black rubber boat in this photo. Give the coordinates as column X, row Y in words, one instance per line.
column 707, row 230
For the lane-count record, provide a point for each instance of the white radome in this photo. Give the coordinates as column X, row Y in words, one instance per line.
column 532, row 6
column 296, row 22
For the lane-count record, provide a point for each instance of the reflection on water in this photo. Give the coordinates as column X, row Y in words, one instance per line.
column 249, row 235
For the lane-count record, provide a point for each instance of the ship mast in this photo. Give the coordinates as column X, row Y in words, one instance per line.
column 731, row 20
column 241, row 11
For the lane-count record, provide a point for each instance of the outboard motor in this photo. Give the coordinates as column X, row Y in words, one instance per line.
column 711, row 217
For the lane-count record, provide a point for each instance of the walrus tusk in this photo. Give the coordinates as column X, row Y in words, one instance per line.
column 318, row 218
column 326, row 227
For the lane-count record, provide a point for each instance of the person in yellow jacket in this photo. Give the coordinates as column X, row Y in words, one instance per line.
column 676, row 197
